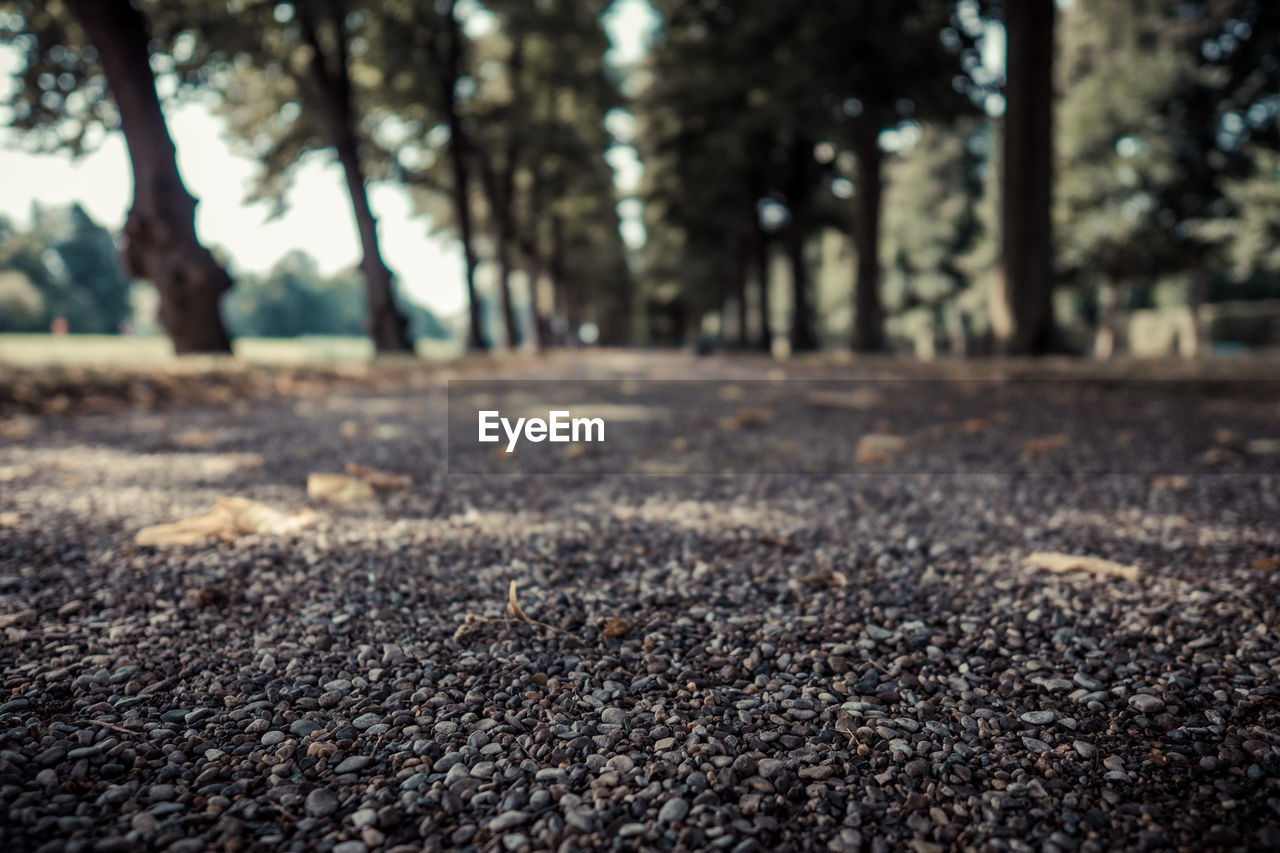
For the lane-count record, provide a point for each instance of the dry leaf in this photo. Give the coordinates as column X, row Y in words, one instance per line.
column 349, row 429
column 878, row 447
column 832, row 578
column 862, row 398
column 379, row 479
column 1263, row 447
column 229, row 519
column 1266, row 564
column 9, row 519
column 1174, row 483
column 228, row 463
column 616, row 627
column 750, row 418
column 338, row 488
column 1046, row 444
column 1052, row 561
column 193, row 438
column 679, row 444
column 779, row 542
column 513, row 604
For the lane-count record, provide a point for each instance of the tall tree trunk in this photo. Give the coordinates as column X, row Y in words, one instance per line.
column 868, row 317
column 741, row 262
column 562, row 309
column 503, row 212
column 804, row 338
column 763, row 256
column 332, row 81
column 1025, row 284
column 459, row 155
column 159, row 242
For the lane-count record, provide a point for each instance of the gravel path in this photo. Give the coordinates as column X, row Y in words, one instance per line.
column 852, row 662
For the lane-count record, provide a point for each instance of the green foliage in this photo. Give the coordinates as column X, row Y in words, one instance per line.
column 63, row 266
column 295, row 299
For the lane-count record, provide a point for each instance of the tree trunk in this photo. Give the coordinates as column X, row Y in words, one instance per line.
column 1025, row 286
column 741, row 262
column 458, row 159
column 868, row 318
column 159, row 242
column 763, row 255
column 332, row 81
column 803, row 336
column 505, row 200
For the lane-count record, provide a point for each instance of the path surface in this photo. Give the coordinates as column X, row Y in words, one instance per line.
column 855, row 661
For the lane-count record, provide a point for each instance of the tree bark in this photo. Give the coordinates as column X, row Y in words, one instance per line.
column 503, row 213
column 159, row 243
column 803, row 335
column 763, row 256
column 332, row 81
column 741, row 263
column 1025, row 284
column 459, row 155
column 868, row 317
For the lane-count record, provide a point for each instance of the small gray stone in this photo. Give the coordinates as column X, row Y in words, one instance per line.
column 673, row 810
column 366, row 721
column 321, row 803
column 352, row 764
column 508, row 820
column 1038, row 718
column 1145, row 703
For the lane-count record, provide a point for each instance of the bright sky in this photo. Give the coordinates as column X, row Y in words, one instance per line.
column 319, row 218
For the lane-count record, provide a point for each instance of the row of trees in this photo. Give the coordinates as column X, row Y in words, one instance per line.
column 502, row 141
column 1119, row 145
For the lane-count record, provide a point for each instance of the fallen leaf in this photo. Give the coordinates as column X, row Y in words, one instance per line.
column 832, row 578
column 230, row 518
column 1046, row 444
column 349, row 429
column 193, row 438
column 679, row 444
column 616, row 627
column 1263, row 447
column 751, row 418
column 338, row 488
column 862, row 398
column 1174, row 483
column 1266, row 564
column 878, row 447
column 379, row 479
column 9, row 519
column 513, row 604
column 1052, row 561
column 228, row 463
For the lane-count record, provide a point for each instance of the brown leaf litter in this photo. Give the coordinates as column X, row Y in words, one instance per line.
column 1052, row 561
column 229, row 519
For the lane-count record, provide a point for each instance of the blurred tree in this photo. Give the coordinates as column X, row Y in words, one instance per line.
column 932, row 222
column 64, row 265
column 74, row 51
column 294, row 78
column 870, row 85
column 1022, row 304
column 88, row 257
column 295, row 299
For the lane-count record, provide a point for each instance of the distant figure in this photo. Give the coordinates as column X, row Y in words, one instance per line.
column 59, row 326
